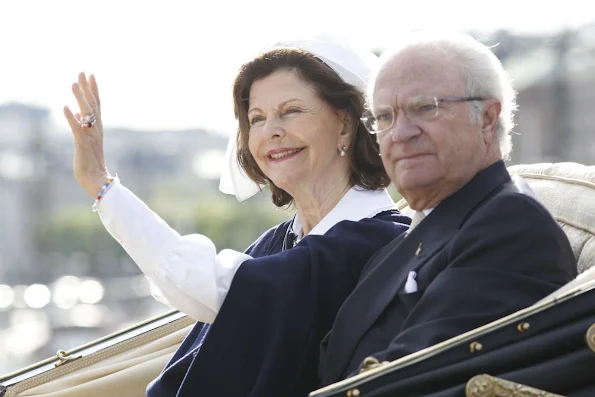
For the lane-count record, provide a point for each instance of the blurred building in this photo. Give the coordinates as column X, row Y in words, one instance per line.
column 555, row 79
column 56, row 300
column 22, row 183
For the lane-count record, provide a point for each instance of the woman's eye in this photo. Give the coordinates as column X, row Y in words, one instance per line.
column 293, row 110
column 256, row 119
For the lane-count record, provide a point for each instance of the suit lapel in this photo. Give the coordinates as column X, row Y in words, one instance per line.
column 385, row 277
column 387, row 273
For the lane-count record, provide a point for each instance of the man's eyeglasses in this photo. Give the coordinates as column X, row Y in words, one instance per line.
column 416, row 110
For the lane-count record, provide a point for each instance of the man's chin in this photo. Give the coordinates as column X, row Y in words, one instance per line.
column 414, row 179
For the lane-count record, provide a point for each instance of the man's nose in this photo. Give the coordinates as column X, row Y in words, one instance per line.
column 403, row 129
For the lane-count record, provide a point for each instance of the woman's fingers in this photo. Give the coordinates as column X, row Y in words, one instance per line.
column 84, row 106
column 87, row 100
column 87, row 93
column 73, row 121
column 95, row 92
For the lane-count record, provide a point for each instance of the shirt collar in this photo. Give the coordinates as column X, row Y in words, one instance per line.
column 428, row 210
column 355, row 205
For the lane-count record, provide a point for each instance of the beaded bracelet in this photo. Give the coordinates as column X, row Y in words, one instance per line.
column 104, row 189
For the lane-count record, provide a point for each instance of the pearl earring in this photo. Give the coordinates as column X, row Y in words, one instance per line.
column 342, row 151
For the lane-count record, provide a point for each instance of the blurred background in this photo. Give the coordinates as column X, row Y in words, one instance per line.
column 165, row 73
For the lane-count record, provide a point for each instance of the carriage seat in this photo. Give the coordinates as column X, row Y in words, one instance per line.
column 568, row 191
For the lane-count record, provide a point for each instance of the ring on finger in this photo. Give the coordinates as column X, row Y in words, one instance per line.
column 88, row 120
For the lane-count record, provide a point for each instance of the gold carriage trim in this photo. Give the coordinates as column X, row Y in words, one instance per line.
column 464, row 339
column 489, row 386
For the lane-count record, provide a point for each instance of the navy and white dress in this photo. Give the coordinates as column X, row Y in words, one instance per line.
column 269, row 306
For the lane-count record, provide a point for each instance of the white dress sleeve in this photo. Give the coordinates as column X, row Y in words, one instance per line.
column 188, row 272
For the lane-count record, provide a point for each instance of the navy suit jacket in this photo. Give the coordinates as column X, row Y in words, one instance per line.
column 485, row 252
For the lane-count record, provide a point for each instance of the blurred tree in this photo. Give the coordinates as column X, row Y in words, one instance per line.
column 226, row 222
column 76, row 229
column 221, row 218
column 236, row 225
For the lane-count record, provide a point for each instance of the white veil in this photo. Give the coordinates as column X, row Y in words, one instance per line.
column 353, row 65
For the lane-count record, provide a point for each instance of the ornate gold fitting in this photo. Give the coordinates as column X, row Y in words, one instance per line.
column 489, row 386
column 64, row 358
column 371, row 363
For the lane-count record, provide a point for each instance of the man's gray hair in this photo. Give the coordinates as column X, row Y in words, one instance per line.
column 483, row 72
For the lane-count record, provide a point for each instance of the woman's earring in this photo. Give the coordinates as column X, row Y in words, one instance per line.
column 342, row 151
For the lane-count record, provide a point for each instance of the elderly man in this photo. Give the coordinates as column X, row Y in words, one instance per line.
column 479, row 248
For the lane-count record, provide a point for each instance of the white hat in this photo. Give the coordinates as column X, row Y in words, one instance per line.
column 354, row 66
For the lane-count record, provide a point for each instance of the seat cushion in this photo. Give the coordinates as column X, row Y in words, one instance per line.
column 568, row 191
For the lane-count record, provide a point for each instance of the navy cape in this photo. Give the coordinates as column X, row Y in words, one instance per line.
column 265, row 339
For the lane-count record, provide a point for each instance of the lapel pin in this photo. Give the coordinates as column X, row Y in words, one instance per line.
column 418, row 251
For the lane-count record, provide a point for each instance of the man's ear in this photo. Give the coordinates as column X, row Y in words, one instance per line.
column 490, row 115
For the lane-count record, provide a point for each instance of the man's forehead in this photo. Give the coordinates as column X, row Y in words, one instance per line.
column 415, row 74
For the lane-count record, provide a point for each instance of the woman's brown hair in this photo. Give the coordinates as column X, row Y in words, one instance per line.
column 366, row 169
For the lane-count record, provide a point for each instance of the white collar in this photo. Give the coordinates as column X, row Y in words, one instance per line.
column 355, row 205
column 428, row 210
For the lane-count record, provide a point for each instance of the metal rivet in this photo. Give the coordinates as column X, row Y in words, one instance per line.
column 591, row 338
column 475, row 347
column 522, row 327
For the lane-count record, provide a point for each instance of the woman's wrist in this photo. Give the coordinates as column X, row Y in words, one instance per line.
column 109, row 183
column 94, row 185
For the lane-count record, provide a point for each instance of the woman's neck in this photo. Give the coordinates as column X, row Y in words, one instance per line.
column 314, row 205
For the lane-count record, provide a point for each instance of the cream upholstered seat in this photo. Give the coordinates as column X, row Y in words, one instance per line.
column 121, row 366
column 568, row 191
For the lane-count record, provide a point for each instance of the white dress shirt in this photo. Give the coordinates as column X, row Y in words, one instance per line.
column 186, row 272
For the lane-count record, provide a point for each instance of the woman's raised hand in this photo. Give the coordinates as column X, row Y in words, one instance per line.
column 87, row 129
